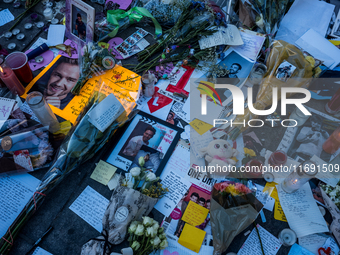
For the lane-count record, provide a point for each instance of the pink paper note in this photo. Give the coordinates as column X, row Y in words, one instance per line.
column 123, row 4
column 48, row 57
column 113, row 43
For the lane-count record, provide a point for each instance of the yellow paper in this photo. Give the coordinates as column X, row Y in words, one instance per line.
column 103, row 172
column 271, row 186
column 200, row 126
column 278, row 212
column 195, row 214
column 123, row 83
column 104, row 45
column 65, row 126
column 192, row 238
column 335, row 42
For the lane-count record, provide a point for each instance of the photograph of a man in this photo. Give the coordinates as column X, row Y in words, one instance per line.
column 79, row 23
column 56, row 84
column 233, row 71
column 80, row 27
column 135, row 143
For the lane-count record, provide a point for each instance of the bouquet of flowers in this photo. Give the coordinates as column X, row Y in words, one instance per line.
column 82, row 142
column 301, row 72
column 233, row 208
column 146, row 236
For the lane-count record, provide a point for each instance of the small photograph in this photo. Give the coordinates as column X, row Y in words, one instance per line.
column 134, row 49
column 79, row 23
column 136, row 36
column 152, row 158
column 122, row 51
column 125, row 45
column 131, row 40
column 285, row 71
column 142, row 32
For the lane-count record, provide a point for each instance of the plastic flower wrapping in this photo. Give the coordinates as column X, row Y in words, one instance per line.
column 233, row 208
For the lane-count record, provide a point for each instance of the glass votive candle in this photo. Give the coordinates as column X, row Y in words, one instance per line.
column 277, row 158
column 268, row 177
column 287, row 237
column 333, row 106
column 42, row 110
column 332, row 144
column 48, row 14
column 11, row 81
column 255, row 168
column 299, row 116
column 296, row 179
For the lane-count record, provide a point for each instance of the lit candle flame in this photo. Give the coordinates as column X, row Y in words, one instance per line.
column 1, row 70
column 295, row 181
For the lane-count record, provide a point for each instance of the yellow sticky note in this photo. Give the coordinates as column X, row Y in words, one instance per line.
column 278, row 212
column 64, row 128
column 200, row 126
column 103, row 172
column 195, row 214
column 192, row 238
column 271, row 187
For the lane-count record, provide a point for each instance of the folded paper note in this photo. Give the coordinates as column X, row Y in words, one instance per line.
column 103, row 172
column 192, row 238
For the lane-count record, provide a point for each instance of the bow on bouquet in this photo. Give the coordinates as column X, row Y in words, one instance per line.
column 127, row 205
column 233, row 208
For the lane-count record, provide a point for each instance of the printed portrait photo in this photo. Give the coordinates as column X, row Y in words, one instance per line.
column 284, row 71
column 56, row 84
column 79, row 23
column 152, row 158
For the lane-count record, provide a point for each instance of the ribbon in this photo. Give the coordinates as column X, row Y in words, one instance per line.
column 135, row 14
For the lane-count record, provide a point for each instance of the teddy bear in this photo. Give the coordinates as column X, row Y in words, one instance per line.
column 219, row 154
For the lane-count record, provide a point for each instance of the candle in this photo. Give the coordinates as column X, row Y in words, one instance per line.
column 15, row 31
column 48, row 14
column 299, row 177
column 299, row 116
column 40, row 24
column 255, row 167
column 11, row 81
column 8, row 35
column 333, row 106
column 287, row 237
column 278, row 158
column 41, row 109
column 332, row 144
column 11, row 46
column 268, row 177
column 28, row 25
column 20, row 36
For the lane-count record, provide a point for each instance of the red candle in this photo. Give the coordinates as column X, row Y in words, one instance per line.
column 278, row 158
column 11, row 81
column 332, row 144
column 255, row 168
column 333, row 106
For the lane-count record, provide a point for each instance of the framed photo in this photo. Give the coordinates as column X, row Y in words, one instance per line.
column 79, row 21
column 336, row 27
column 145, row 136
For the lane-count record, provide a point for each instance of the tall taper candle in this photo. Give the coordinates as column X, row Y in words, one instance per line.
column 10, row 79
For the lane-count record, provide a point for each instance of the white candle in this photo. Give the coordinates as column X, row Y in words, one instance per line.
column 48, row 14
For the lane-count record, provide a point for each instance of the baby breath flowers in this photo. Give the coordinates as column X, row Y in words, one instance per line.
column 146, row 236
column 333, row 193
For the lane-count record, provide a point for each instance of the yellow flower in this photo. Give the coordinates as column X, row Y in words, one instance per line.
column 250, row 152
column 231, row 189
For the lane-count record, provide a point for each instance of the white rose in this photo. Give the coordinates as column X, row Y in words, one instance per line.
column 141, row 161
column 147, row 221
column 163, row 244
column 133, row 227
column 129, row 184
column 156, row 241
column 150, row 177
column 150, row 231
column 140, row 230
column 135, row 245
column 162, row 236
column 155, row 226
column 135, row 172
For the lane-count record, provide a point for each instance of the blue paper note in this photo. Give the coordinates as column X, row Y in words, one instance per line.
column 5, row 17
column 298, row 250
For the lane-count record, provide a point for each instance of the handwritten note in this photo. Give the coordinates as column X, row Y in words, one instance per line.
column 41, row 251
column 325, row 176
column 15, row 192
column 6, row 106
column 103, row 172
column 330, row 242
column 252, row 43
column 177, row 186
column 192, row 237
column 312, row 242
column 199, row 142
column 278, row 212
column 302, row 213
column 175, row 248
column 201, row 127
column 90, row 206
column 5, row 17
column 298, row 250
column 195, row 214
column 106, row 112
column 178, row 160
column 271, row 244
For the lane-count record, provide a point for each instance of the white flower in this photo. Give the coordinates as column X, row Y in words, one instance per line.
column 140, row 230
column 155, row 226
column 129, row 184
column 156, row 241
column 161, row 230
column 163, row 244
column 135, row 245
column 141, row 161
column 147, row 221
column 135, row 172
column 150, row 177
column 162, row 236
column 133, row 227
column 150, row 231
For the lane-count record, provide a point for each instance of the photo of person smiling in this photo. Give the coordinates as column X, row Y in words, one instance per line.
column 57, row 83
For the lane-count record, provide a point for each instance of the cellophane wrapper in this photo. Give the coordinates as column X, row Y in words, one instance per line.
column 229, row 216
column 301, row 77
column 126, row 205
